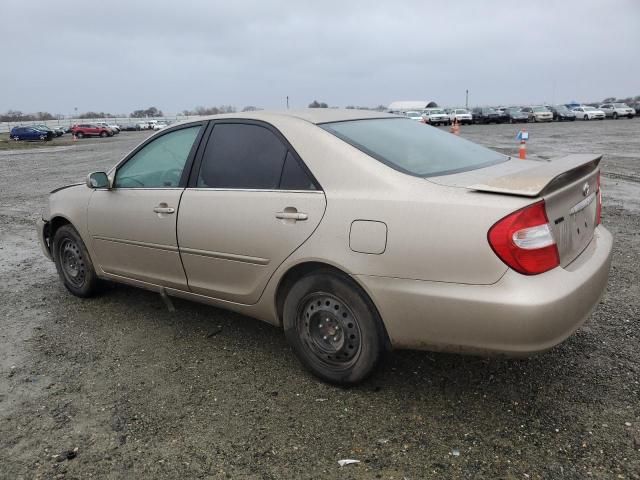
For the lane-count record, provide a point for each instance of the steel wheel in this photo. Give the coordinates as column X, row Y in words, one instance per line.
column 330, row 330
column 72, row 262
column 333, row 327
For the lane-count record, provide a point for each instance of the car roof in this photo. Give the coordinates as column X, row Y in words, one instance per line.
column 311, row 115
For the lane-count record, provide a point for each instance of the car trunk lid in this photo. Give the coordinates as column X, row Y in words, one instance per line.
column 567, row 184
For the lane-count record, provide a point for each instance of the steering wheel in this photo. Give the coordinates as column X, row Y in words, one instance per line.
column 133, row 179
column 171, row 178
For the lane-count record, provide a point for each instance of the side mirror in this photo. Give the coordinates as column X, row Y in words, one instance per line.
column 97, row 180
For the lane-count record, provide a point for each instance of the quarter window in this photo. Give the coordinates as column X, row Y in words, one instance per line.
column 242, row 156
column 294, row 177
column 159, row 164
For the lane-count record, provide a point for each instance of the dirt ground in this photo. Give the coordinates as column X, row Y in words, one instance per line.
column 144, row 393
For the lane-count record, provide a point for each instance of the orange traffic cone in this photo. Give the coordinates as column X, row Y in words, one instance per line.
column 523, row 150
column 455, row 127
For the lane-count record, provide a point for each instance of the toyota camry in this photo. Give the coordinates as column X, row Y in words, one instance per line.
column 355, row 232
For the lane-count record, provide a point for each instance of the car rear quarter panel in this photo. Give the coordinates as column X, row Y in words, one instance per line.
column 435, row 232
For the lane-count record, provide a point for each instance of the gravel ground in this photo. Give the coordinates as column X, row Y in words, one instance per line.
column 119, row 387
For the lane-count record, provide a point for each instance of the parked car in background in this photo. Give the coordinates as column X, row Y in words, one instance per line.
column 414, row 115
column 538, row 114
column 30, row 133
column 345, row 253
column 616, row 110
column 160, row 125
column 60, row 130
column 44, row 128
column 516, row 115
column 91, row 130
column 561, row 113
column 502, row 114
column 585, row 112
column 486, row 115
column 462, row 115
column 435, row 116
column 114, row 128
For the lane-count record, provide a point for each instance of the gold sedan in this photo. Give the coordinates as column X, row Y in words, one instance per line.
column 353, row 231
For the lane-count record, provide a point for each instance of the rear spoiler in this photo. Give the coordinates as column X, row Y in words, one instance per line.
column 542, row 178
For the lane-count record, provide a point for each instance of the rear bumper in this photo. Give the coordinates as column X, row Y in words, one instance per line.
column 42, row 228
column 518, row 315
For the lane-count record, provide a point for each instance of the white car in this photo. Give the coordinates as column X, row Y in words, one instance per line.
column 616, row 110
column 462, row 115
column 159, row 125
column 584, row 112
column 413, row 115
column 435, row 116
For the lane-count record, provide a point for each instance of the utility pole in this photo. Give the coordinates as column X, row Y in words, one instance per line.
column 287, row 102
column 466, row 102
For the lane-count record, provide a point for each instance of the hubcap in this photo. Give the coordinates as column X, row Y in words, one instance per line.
column 329, row 329
column 72, row 263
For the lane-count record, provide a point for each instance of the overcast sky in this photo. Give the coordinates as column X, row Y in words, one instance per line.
column 117, row 56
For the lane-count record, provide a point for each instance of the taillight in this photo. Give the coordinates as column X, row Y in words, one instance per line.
column 524, row 240
column 599, row 200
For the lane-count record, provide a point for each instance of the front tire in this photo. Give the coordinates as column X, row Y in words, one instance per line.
column 73, row 263
column 333, row 327
column 615, row 115
column 586, row 117
column 80, row 135
column 103, row 134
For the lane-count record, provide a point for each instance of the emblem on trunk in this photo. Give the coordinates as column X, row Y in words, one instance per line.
column 585, row 189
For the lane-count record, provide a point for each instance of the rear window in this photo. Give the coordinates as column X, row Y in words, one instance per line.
column 413, row 148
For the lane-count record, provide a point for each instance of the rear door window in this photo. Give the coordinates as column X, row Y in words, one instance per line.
column 242, row 156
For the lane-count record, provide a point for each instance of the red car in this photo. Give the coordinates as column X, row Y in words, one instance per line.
column 91, row 130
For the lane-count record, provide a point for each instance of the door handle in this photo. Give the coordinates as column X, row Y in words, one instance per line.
column 164, row 209
column 296, row 216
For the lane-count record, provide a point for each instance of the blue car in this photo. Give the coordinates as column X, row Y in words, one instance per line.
column 29, row 133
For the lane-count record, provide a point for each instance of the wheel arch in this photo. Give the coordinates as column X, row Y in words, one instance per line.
column 51, row 227
column 296, row 272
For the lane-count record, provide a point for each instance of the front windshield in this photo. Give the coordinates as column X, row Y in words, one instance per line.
column 462, row 110
column 413, row 114
column 435, row 111
column 561, row 108
column 412, row 147
column 540, row 109
column 620, row 105
column 589, row 109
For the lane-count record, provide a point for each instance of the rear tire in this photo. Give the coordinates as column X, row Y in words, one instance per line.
column 615, row 115
column 80, row 135
column 73, row 263
column 586, row 117
column 333, row 327
column 103, row 134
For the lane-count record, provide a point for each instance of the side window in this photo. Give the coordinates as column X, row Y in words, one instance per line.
column 294, row 177
column 242, row 156
column 159, row 164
